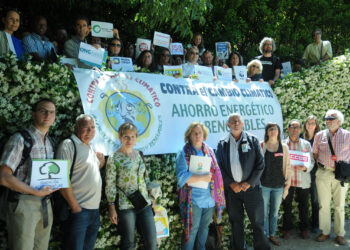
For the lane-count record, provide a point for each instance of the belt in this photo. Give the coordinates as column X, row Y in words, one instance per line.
column 44, row 209
column 322, row 167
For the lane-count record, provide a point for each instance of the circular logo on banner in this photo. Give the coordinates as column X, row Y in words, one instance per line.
column 143, row 46
column 116, row 60
column 124, row 107
column 96, row 28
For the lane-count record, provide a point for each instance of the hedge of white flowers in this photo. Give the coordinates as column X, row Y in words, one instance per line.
column 312, row 91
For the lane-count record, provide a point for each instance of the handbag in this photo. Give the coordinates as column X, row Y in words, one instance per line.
column 342, row 169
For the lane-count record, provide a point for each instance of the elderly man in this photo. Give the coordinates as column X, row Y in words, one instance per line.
column 300, row 181
column 319, row 51
column 29, row 212
column 37, row 44
column 84, row 194
column 327, row 186
column 271, row 64
column 241, row 161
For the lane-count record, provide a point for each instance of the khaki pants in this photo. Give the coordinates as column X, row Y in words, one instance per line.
column 328, row 187
column 25, row 225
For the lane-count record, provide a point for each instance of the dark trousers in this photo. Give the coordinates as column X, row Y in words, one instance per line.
column 314, row 200
column 302, row 197
column 253, row 202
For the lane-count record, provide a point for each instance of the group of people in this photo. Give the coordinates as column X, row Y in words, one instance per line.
column 243, row 174
column 266, row 67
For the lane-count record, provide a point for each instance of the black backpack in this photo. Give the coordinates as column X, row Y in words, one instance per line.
column 60, row 206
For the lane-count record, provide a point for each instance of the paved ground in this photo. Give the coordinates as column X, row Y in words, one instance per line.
column 296, row 243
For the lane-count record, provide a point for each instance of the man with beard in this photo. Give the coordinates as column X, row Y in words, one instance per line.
column 37, row 44
column 271, row 64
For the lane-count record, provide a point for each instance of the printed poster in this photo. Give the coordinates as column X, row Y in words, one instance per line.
column 102, row 29
column 161, row 221
column 141, row 45
column 300, row 158
column 204, row 73
column 176, row 49
column 199, row 165
column 175, row 70
column 222, row 50
column 223, row 74
column 92, row 56
column 161, row 39
column 123, row 64
column 240, row 73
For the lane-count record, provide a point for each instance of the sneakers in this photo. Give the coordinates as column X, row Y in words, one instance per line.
column 286, row 234
column 340, row 240
column 274, row 241
column 304, row 234
column 322, row 237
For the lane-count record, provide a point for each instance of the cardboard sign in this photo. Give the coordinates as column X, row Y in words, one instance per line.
column 172, row 70
column 223, row 74
column 176, row 49
column 123, row 64
column 161, row 39
column 199, row 165
column 92, row 56
column 49, row 172
column 102, row 29
column 240, row 73
column 222, row 50
column 141, row 45
column 286, row 68
column 300, row 158
column 203, row 73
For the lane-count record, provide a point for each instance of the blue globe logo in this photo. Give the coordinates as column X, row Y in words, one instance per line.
column 124, row 107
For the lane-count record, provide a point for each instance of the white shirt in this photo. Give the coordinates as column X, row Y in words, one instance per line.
column 236, row 168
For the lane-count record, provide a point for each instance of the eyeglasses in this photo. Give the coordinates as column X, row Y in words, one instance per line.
column 194, row 53
column 272, row 129
column 294, row 127
column 116, row 45
column 166, row 55
column 330, row 118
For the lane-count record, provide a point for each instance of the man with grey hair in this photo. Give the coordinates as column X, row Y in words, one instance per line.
column 327, row 186
column 241, row 161
column 84, row 194
column 271, row 64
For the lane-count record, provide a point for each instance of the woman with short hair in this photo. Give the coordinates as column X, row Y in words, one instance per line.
column 254, row 69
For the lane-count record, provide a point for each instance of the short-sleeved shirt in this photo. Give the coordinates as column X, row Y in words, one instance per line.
column 86, row 179
column 340, row 143
column 33, row 43
column 270, row 64
column 12, row 154
column 313, row 52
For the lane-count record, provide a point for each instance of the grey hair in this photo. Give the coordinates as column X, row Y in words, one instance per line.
column 250, row 64
column 83, row 117
column 263, row 41
column 337, row 113
column 234, row 115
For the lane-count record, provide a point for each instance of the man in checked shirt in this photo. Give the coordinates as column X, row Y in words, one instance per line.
column 327, row 186
column 300, row 181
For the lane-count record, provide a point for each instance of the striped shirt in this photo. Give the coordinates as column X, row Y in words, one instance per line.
column 341, row 146
column 12, row 153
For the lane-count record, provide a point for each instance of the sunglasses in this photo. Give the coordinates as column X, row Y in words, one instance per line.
column 330, row 118
column 116, row 45
column 255, row 66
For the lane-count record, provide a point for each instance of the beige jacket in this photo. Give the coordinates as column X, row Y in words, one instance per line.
column 287, row 170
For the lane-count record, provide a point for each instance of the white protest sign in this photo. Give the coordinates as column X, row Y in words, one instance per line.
column 299, row 158
column 162, row 107
column 90, row 55
column 176, row 49
column 240, row 73
column 286, row 68
column 199, row 165
column 123, row 64
column 222, row 50
column 223, row 74
column 141, row 45
column 49, row 172
column 175, row 70
column 204, row 73
column 161, row 39
column 102, row 29
column 161, row 221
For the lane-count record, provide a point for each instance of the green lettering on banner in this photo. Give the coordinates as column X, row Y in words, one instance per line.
column 216, row 127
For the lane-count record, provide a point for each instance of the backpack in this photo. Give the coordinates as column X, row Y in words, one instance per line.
column 60, row 206
column 27, row 148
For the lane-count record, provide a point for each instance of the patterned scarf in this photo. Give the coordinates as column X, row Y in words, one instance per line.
column 216, row 189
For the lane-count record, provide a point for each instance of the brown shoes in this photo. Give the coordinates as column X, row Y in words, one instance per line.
column 274, row 241
column 340, row 240
column 322, row 237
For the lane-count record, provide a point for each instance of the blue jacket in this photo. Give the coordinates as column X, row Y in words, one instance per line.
column 252, row 162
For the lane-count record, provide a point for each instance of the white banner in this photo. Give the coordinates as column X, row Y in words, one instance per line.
column 162, row 107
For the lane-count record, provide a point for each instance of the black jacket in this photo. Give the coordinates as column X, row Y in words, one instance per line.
column 252, row 162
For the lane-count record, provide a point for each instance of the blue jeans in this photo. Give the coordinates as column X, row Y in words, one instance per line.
column 144, row 221
column 201, row 218
column 272, row 202
column 80, row 229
